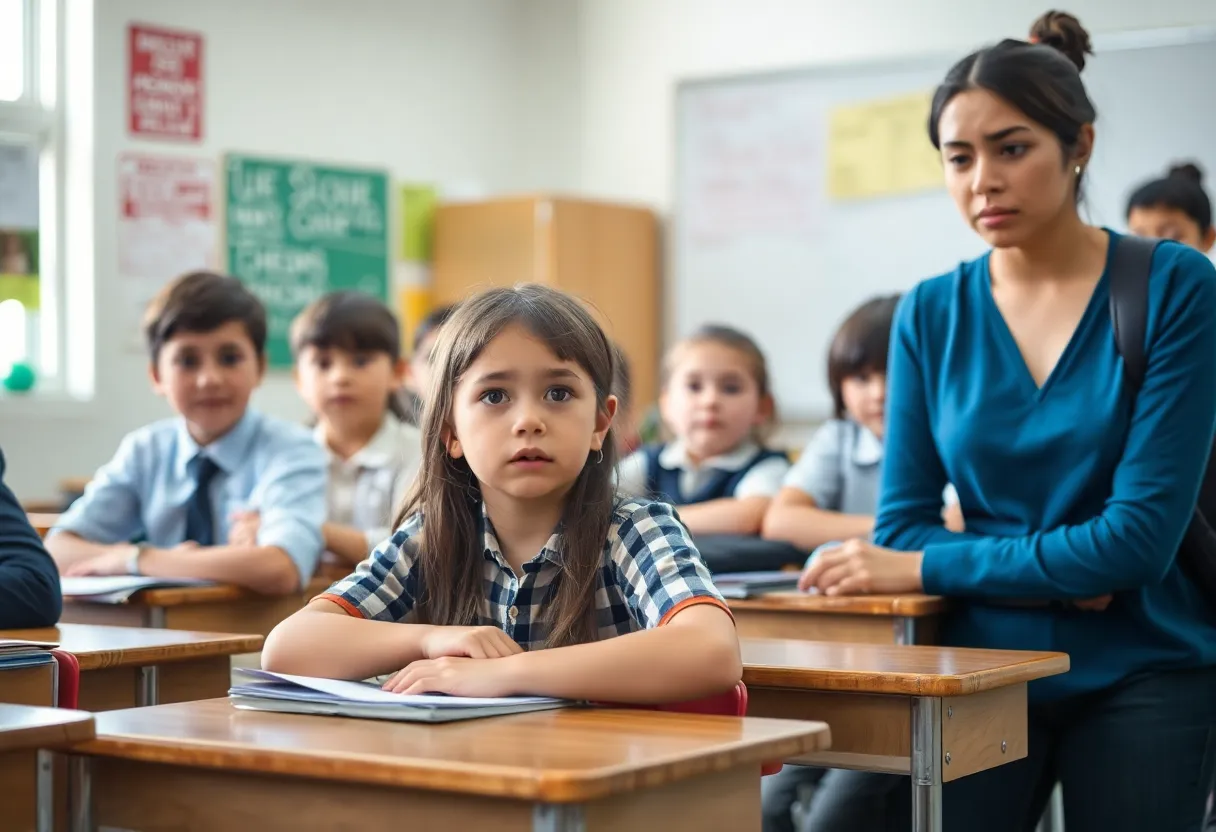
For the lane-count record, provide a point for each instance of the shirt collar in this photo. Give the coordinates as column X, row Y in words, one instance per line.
column 228, row 452
column 379, row 451
column 550, row 552
column 867, row 448
column 675, row 457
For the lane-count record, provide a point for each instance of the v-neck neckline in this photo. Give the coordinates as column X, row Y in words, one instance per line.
column 1010, row 343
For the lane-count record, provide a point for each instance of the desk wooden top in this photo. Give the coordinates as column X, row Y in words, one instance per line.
column 893, row 669
column 23, row 727
column 559, row 756
column 42, row 521
column 98, row 646
column 909, row 606
column 218, row 594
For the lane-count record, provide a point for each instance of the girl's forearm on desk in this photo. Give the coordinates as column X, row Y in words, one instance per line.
column 322, row 640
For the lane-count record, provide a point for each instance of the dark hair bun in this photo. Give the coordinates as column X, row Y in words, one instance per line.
column 1188, row 171
column 1063, row 32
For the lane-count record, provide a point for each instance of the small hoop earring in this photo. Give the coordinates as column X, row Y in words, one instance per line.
column 1078, row 170
column 601, row 453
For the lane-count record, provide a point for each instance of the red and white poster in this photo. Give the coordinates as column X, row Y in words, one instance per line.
column 165, row 90
column 167, row 223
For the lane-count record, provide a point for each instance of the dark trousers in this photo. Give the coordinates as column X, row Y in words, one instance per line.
column 1134, row 758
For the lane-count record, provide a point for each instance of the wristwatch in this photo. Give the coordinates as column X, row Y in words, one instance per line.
column 137, row 549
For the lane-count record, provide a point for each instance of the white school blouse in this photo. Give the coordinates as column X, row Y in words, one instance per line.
column 367, row 490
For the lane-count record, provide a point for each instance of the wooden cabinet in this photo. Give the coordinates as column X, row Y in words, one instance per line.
column 603, row 253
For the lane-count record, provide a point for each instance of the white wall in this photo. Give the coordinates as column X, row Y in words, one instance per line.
column 635, row 51
column 434, row 91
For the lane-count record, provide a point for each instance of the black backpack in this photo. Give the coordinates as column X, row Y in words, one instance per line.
column 1129, row 277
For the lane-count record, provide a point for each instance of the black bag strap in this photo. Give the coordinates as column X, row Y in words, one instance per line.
column 1129, row 273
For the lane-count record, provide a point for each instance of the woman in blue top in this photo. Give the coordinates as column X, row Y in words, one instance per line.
column 1005, row 380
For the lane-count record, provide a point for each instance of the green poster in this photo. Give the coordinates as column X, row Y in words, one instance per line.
column 296, row 230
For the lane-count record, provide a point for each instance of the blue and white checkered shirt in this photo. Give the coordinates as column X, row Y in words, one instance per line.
column 649, row 570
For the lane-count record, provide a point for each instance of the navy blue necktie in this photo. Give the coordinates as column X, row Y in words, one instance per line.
column 200, row 524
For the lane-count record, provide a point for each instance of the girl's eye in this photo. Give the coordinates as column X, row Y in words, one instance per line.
column 493, row 397
column 958, row 161
column 731, row 388
column 559, row 394
column 1014, row 150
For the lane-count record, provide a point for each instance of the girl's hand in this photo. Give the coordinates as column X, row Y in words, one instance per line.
column 858, row 567
column 454, row 676
column 469, row 642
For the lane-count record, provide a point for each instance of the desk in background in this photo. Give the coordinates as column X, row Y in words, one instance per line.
column 206, row 765
column 214, row 609
column 870, row 619
column 24, row 731
column 935, row 713
column 122, row 667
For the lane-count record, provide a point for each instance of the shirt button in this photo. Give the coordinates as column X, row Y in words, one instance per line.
column 513, row 612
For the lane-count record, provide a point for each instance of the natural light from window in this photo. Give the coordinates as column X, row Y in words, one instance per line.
column 12, row 52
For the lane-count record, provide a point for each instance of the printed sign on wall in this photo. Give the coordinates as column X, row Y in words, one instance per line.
column 165, row 90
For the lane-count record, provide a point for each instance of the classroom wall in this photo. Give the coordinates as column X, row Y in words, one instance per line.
column 457, row 92
column 634, row 52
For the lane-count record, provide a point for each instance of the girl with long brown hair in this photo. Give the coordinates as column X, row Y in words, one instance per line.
column 514, row 538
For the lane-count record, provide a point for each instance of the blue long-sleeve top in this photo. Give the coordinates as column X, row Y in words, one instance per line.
column 29, row 581
column 1071, row 490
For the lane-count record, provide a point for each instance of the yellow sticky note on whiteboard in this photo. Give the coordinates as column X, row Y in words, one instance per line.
column 879, row 148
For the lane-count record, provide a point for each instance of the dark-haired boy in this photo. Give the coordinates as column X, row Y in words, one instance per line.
column 174, row 485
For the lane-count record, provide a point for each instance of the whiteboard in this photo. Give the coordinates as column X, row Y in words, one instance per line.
column 758, row 244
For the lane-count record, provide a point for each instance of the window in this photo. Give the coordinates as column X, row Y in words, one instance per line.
column 31, row 187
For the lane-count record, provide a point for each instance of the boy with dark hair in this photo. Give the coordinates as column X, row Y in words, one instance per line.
column 29, row 582
column 175, row 485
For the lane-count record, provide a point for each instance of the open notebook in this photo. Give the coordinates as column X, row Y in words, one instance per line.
column 16, row 652
column 262, row 690
column 747, row 584
column 115, row 589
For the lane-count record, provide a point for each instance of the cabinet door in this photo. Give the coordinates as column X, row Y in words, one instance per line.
column 482, row 245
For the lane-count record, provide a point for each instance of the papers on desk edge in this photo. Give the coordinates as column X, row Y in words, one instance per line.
column 18, row 652
column 262, row 690
column 735, row 585
column 116, row 589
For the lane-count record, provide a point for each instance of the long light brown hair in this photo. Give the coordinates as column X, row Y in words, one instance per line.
column 448, row 495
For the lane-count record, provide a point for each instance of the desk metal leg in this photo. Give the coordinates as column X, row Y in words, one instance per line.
column 149, row 685
column 552, row 817
column 926, row 764
column 905, row 629
column 156, row 617
column 80, row 794
column 45, row 790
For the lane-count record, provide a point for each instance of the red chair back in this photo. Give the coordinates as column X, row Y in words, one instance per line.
column 69, row 679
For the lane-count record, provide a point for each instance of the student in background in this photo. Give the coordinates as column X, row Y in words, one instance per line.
column 418, row 371
column 1174, row 208
column 513, row 539
column 831, row 493
column 29, row 581
column 175, row 484
column 348, row 369
column 624, row 425
column 717, row 403
column 1005, row 379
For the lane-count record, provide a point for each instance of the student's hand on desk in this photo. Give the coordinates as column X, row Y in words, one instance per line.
column 115, row 561
column 468, row 642
column 858, row 567
column 243, row 528
column 455, row 676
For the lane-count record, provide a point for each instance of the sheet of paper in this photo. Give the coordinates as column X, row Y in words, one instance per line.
column 363, row 692
column 89, row 585
column 880, row 148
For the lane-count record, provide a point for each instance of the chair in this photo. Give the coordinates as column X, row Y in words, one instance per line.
column 69, row 680
column 730, row 703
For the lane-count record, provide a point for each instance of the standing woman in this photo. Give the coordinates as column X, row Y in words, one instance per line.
column 1004, row 379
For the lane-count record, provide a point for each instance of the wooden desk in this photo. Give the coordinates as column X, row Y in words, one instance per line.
column 935, row 713
column 26, row 734
column 122, row 667
column 214, row 609
column 869, row 619
column 206, row 766
column 42, row 521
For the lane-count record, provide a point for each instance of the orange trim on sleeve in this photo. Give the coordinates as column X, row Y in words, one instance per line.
column 694, row 600
column 349, row 608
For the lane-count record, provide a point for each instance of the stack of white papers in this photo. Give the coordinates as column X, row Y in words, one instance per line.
column 262, row 690
column 16, row 652
column 747, row 584
column 116, row 589
column 20, row 645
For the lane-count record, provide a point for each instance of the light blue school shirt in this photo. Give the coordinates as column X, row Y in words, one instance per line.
column 1070, row 490
column 265, row 465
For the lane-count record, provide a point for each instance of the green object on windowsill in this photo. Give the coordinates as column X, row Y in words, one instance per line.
column 20, row 378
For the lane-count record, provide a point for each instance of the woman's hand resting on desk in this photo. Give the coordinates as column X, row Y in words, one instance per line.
column 858, row 567
column 455, row 676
